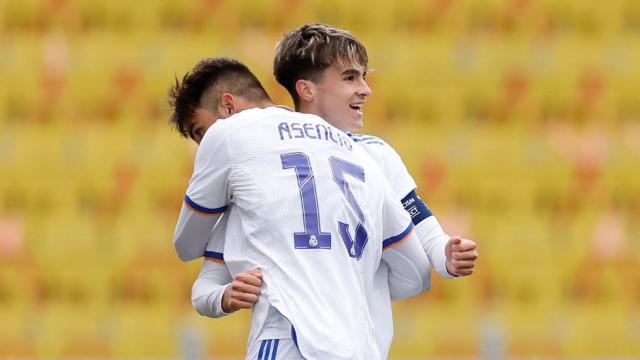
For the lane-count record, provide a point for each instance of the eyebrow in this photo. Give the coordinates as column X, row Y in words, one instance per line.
column 353, row 72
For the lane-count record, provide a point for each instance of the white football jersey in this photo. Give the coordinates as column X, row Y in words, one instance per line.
column 312, row 211
column 402, row 183
column 389, row 162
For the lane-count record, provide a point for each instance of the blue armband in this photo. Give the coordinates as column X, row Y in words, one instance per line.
column 416, row 207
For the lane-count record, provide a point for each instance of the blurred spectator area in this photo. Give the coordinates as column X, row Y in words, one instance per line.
column 520, row 121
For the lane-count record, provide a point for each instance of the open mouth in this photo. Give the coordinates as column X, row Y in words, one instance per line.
column 356, row 107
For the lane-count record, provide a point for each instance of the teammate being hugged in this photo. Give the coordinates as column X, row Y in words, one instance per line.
column 296, row 197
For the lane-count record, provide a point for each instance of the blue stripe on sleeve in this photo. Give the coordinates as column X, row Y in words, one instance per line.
column 203, row 209
column 394, row 239
column 214, row 255
column 365, row 138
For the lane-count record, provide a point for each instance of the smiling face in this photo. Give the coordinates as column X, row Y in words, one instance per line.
column 339, row 96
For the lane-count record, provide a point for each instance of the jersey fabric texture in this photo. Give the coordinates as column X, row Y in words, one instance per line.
column 389, row 162
column 312, row 210
column 402, row 183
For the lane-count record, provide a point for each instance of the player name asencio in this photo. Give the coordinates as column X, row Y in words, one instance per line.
column 296, row 130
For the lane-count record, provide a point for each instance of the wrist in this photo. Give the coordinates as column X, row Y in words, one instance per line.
column 450, row 272
column 225, row 306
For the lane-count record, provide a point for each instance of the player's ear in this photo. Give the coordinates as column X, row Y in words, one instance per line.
column 227, row 105
column 304, row 88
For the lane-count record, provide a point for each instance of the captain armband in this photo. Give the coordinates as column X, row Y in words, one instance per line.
column 416, row 207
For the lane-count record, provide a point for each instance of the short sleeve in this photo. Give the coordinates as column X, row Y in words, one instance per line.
column 215, row 245
column 389, row 162
column 208, row 191
column 397, row 224
column 399, row 178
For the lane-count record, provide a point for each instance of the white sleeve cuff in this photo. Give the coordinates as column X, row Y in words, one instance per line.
column 210, row 304
column 208, row 289
column 434, row 241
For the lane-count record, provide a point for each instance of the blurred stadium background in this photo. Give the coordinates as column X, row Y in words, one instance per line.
column 520, row 120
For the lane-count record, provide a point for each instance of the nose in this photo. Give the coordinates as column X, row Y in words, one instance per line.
column 364, row 89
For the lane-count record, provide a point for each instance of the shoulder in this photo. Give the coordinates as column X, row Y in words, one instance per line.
column 365, row 139
column 216, row 140
column 388, row 160
column 376, row 147
column 297, row 116
column 224, row 128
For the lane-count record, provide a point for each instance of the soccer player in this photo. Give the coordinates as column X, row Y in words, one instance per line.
column 324, row 69
column 302, row 201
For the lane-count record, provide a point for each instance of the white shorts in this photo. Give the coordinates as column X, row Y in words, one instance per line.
column 273, row 349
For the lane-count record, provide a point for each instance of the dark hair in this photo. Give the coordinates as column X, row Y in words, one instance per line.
column 306, row 52
column 203, row 86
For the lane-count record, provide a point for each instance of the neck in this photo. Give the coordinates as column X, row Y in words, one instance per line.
column 306, row 108
column 265, row 104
